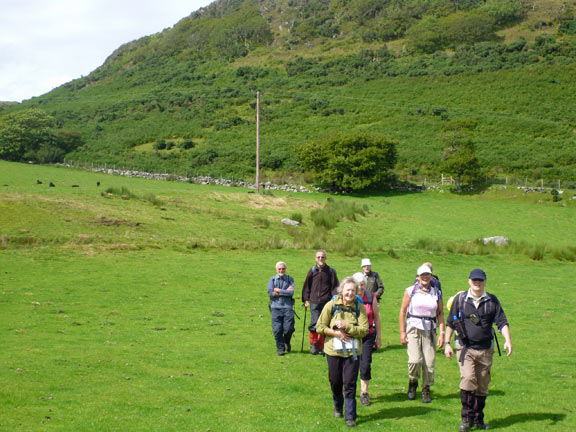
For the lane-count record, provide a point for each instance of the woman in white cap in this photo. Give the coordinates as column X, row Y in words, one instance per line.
column 372, row 341
column 420, row 314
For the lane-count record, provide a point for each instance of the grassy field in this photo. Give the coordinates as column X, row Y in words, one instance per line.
column 132, row 314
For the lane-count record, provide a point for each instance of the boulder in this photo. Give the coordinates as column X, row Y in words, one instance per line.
column 497, row 240
column 287, row 221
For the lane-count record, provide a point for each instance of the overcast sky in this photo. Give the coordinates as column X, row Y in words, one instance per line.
column 46, row 43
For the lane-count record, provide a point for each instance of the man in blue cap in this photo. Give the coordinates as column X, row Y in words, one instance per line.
column 472, row 315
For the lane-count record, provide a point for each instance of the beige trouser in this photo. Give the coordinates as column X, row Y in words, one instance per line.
column 475, row 370
column 421, row 355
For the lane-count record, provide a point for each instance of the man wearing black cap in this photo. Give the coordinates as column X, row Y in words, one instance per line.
column 472, row 315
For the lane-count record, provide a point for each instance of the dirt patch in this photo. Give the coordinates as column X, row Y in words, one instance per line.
column 265, row 201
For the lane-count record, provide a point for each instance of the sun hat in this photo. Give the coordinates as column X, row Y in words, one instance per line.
column 366, row 261
column 423, row 269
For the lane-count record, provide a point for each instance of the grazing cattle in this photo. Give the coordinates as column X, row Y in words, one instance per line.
column 75, row 185
column 38, row 182
column 52, row 184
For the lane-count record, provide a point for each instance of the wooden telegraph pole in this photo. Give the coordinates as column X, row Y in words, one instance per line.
column 258, row 142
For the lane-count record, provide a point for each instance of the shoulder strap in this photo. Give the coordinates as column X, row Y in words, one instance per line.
column 369, row 297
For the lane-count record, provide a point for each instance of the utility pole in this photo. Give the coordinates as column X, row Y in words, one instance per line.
column 257, row 142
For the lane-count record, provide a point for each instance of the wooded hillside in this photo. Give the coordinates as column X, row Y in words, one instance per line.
column 184, row 99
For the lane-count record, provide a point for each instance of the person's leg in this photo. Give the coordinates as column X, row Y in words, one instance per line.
column 350, row 379
column 335, row 367
column 483, row 376
column 468, row 385
column 277, row 321
column 315, row 311
column 414, row 344
column 428, row 365
column 366, row 367
column 288, row 326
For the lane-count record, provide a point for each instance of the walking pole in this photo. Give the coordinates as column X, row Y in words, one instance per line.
column 303, row 329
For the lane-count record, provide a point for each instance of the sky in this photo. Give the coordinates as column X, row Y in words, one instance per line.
column 46, row 43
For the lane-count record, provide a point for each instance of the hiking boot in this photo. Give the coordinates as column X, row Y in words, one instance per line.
column 337, row 414
column 351, row 423
column 287, row 347
column 426, row 395
column 412, row 386
column 482, row 426
column 280, row 352
column 464, row 427
column 365, row 399
column 314, row 350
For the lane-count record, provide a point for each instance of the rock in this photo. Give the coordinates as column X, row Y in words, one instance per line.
column 497, row 240
column 287, row 221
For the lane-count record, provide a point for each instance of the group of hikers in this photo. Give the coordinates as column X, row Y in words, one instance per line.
column 345, row 327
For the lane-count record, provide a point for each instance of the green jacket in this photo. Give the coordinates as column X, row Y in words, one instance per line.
column 357, row 326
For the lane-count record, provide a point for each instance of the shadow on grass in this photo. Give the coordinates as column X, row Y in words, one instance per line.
column 389, row 348
column 401, row 396
column 396, row 413
column 527, row 417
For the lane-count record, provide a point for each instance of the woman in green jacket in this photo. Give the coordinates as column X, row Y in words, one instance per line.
column 344, row 323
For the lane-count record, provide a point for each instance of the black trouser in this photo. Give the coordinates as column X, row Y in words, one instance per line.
column 366, row 357
column 343, row 375
column 282, row 326
column 315, row 311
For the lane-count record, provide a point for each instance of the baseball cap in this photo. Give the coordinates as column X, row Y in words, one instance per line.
column 478, row 274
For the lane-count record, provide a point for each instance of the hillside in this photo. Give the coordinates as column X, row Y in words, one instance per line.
column 184, row 99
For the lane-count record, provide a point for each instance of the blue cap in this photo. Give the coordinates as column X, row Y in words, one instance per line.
column 478, row 274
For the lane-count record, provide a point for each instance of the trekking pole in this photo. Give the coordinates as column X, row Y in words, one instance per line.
column 303, row 329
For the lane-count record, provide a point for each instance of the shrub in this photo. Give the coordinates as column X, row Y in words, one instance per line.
column 348, row 161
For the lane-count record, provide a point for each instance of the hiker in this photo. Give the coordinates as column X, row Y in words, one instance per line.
column 373, row 282
column 435, row 281
column 420, row 314
column 281, row 292
column 320, row 284
column 372, row 341
column 344, row 323
column 472, row 315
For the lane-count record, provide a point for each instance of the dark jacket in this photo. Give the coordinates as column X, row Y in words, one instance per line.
column 320, row 285
column 489, row 312
column 374, row 284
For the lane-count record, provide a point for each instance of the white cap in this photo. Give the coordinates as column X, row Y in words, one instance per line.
column 423, row 269
column 359, row 277
column 366, row 261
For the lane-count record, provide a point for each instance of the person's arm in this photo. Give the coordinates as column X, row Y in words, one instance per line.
column 306, row 289
column 508, row 344
column 448, row 351
column 377, row 322
column 440, row 321
column 323, row 323
column 335, row 282
column 402, row 318
column 271, row 291
column 288, row 292
column 361, row 329
column 380, row 287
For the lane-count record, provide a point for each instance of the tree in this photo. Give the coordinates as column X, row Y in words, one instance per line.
column 23, row 132
column 459, row 158
column 349, row 161
column 461, row 162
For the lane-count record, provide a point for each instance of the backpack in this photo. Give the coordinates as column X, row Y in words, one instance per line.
column 459, row 318
column 339, row 308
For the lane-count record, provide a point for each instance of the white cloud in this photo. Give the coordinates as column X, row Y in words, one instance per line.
column 45, row 43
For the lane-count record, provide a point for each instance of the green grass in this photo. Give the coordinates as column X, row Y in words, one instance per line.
column 133, row 331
